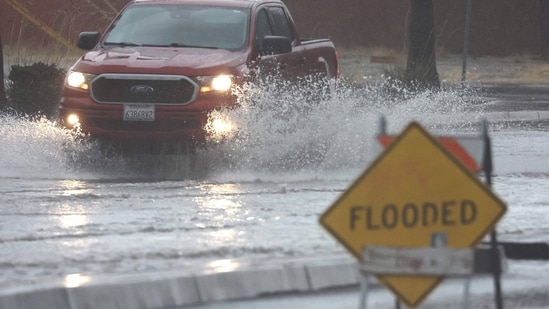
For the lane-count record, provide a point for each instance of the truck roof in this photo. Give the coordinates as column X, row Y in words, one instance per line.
column 238, row 3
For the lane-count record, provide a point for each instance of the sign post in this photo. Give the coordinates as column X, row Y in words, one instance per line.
column 414, row 195
column 487, row 169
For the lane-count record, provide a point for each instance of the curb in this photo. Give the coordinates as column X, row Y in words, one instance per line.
column 220, row 281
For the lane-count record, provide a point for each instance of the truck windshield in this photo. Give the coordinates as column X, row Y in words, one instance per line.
column 180, row 26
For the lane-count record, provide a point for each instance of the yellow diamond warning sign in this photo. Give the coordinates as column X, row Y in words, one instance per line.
column 415, row 194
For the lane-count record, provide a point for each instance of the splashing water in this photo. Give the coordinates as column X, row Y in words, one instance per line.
column 287, row 130
column 279, row 127
column 39, row 148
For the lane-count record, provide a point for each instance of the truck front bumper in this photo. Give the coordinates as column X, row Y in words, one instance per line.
column 171, row 125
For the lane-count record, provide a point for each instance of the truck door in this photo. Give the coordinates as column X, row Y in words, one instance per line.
column 273, row 20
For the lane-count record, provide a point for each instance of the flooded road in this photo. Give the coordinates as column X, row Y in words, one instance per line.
column 67, row 208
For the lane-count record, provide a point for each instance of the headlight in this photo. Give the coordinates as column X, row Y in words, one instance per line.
column 222, row 83
column 72, row 121
column 215, row 83
column 79, row 80
column 220, row 127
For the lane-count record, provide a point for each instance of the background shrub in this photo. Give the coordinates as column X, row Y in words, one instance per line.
column 35, row 90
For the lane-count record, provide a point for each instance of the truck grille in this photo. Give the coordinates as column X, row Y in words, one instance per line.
column 153, row 126
column 143, row 88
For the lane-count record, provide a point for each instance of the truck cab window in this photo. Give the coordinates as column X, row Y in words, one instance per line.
column 262, row 27
column 281, row 24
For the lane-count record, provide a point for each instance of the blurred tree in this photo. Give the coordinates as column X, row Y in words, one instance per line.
column 544, row 8
column 3, row 99
column 421, row 69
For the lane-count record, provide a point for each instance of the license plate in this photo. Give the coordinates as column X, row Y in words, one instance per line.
column 139, row 112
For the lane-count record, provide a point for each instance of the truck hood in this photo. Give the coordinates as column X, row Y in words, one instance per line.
column 156, row 60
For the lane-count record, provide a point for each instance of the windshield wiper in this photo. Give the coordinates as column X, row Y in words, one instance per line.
column 126, row 44
column 191, row 46
column 122, row 44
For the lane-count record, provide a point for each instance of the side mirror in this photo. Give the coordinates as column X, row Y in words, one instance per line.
column 88, row 40
column 273, row 44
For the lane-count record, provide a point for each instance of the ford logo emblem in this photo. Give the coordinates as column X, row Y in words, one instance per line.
column 141, row 90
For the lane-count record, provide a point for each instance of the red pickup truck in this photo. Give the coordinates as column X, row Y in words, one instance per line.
column 151, row 80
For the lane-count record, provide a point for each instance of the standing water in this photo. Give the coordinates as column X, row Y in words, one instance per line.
column 66, row 207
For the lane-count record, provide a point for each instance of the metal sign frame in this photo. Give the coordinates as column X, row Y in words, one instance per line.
column 348, row 238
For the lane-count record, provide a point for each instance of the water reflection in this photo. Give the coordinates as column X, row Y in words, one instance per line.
column 73, row 188
column 71, row 221
column 72, row 217
column 220, row 201
column 225, row 265
column 75, row 280
column 222, row 210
